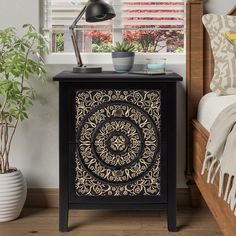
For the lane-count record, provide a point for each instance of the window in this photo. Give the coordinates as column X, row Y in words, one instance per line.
column 152, row 25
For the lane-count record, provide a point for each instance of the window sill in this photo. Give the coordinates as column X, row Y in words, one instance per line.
column 105, row 58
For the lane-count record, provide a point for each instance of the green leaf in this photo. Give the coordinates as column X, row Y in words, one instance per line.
column 10, row 118
column 19, row 60
column 26, row 25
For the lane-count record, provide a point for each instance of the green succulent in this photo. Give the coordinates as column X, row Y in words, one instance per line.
column 123, row 47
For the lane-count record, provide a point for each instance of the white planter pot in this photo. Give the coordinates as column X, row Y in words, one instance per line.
column 13, row 191
column 123, row 61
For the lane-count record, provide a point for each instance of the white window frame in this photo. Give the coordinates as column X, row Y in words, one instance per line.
column 105, row 58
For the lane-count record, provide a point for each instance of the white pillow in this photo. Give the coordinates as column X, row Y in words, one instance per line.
column 224, row 79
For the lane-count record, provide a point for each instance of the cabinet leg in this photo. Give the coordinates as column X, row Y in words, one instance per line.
column 63, row 220
column 171, row 217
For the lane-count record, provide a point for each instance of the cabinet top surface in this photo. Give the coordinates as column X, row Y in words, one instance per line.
column 110, row 76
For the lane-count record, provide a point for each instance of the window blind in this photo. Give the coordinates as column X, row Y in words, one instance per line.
column 142, row 14
column 61, row 13
column 152, row 14
column 131, row 15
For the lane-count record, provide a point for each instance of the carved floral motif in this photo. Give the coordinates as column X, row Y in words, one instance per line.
column 118, row 142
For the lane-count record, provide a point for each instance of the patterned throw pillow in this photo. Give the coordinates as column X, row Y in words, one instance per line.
column 224, row 79
column 231, row 36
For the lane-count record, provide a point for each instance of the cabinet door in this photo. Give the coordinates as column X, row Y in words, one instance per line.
column 118, row 149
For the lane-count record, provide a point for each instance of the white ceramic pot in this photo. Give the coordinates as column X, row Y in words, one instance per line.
column 123, row 61
column 13, row 192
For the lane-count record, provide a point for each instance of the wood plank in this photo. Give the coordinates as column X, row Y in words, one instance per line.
column 219, row 208
column 44, row 222
column 194, row 72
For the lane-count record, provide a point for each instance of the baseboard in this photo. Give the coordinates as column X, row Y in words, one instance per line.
column 182, row 197
column 42, row 197
column 49, row 197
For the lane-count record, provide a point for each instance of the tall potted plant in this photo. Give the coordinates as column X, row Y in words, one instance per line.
column 19, row 60
column 123, row 56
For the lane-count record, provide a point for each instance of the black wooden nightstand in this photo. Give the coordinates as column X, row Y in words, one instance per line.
column 117, row 142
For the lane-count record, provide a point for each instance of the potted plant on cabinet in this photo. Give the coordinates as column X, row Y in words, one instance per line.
column 19, row 60
column 123, row 56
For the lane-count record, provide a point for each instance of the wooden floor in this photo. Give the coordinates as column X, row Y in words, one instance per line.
column 198, row 222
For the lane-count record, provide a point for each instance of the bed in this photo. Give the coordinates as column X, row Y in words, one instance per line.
column 199, row 73
column 210, row 106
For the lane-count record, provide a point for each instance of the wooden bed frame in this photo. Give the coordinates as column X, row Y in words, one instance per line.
column 200, row 66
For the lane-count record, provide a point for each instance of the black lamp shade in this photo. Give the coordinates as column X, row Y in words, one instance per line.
column 98, row 10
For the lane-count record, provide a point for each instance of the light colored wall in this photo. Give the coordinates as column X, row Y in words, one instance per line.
column 16, row 13
column 35, row 147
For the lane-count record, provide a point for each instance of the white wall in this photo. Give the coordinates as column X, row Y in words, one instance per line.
column 35, row 147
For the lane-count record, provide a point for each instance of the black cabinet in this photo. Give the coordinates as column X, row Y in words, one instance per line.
column 117, row 142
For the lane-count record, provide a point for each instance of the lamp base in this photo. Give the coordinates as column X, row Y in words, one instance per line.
column 87, row 69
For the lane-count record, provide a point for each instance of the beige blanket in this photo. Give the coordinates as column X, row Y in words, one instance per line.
column 221, row 154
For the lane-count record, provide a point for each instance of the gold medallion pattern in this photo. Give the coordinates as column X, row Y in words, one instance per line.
column 118, row 142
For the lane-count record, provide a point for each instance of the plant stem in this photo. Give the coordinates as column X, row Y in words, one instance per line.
column 5, row 153
column 9, row 144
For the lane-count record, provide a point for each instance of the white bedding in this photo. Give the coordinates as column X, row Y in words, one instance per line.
column 210, row 107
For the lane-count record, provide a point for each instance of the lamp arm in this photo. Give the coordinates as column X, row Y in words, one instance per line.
column 74, row 38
